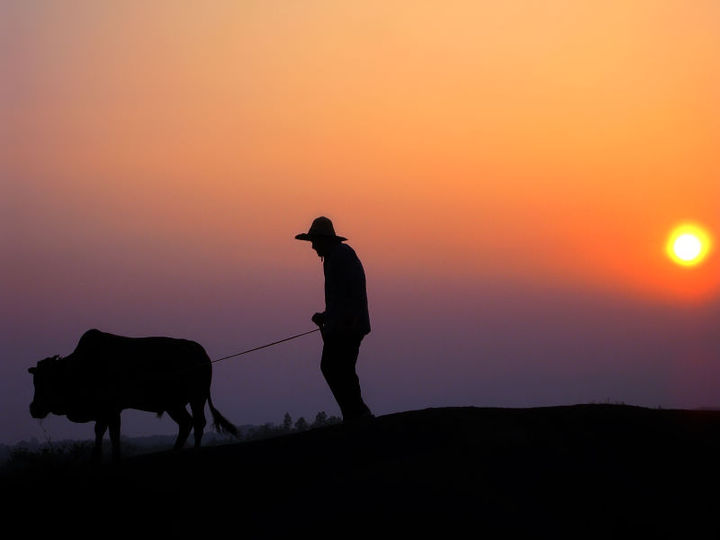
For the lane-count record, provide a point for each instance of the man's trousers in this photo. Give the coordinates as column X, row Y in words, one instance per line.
column 339, row 357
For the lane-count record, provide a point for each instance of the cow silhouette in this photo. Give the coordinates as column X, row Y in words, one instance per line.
column 106, row 374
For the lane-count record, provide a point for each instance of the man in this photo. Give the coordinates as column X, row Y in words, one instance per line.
column 345, row 320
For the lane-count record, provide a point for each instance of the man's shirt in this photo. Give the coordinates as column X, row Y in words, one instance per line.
column 346, row 305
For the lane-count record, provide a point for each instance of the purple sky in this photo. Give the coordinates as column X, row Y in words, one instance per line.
column 435, row 344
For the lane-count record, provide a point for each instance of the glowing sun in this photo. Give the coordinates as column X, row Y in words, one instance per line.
column 688, row 244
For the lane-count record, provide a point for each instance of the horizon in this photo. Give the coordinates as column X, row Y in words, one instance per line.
column 218, row 438
column 509, row 175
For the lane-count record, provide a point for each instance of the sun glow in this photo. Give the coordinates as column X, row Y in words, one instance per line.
column 688, row 244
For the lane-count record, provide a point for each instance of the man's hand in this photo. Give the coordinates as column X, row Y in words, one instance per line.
column 319, row 319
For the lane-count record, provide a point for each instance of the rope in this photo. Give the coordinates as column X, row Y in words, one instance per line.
column 265, row 346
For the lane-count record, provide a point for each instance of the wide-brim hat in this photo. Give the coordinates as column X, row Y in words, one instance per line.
column 321, row 227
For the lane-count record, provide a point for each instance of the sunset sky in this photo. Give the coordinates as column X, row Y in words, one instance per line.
column 508, row 172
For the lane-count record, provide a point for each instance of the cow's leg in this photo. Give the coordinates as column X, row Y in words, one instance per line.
column 114, row 424
column 199, row 423
column 184, row 420
column 100, row 427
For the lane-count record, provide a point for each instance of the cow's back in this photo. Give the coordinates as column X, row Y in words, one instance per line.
column 148, row 373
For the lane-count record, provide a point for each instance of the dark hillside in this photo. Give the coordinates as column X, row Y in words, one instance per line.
column 585, row 470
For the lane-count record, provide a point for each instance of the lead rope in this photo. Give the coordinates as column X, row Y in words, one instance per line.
column 265, row 346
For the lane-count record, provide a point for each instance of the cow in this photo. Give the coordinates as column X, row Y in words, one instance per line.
column 107, row 373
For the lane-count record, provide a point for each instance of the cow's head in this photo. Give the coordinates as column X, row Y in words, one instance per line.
column 47, row 381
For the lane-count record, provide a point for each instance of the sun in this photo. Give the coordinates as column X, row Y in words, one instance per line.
column 688, row 244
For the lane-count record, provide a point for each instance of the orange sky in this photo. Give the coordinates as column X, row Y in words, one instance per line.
column 551, row 140
column 509, row 173
column 157, row 158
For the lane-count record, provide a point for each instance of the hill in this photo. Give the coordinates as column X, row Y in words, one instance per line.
column 583, row 470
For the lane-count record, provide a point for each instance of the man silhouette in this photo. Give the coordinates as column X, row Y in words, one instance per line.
column 345, row 320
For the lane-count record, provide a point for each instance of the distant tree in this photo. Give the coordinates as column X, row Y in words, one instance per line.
column 301, row 424
column 287, row 423
column 320, row 420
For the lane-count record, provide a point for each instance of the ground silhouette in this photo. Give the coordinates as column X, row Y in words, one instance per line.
column 584, row 471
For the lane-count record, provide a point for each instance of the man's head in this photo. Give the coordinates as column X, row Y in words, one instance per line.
column 321, row 235
column 323, row 245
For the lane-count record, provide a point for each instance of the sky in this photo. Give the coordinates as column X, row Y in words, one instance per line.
column 509, row 173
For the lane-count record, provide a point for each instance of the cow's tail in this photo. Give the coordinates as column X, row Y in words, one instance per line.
column 220, row 423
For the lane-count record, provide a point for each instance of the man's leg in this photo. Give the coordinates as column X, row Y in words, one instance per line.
column 338, row 366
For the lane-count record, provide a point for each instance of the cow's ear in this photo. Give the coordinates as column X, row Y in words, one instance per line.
column 32, row 370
